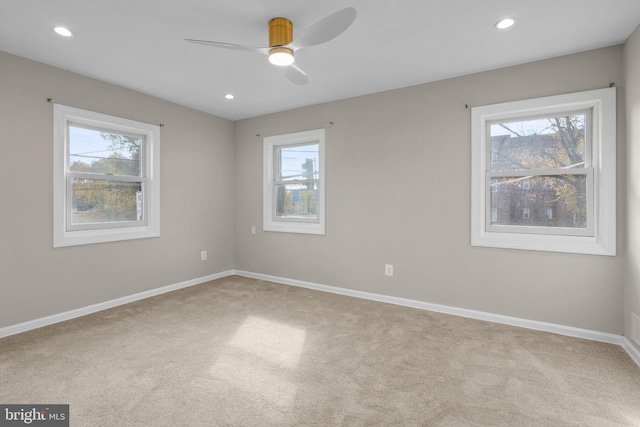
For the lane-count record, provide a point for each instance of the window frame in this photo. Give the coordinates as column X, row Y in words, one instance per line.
column 67, row 234
column 292, row 225
column 600, row 171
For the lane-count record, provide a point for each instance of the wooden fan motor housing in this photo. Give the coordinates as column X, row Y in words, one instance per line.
column 280, row 32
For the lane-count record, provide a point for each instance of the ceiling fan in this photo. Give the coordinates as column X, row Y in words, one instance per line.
column 282, row 46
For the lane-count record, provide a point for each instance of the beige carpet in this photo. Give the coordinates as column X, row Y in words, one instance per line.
column 242, row 352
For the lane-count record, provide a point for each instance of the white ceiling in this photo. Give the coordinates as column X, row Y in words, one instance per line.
column 139, row 44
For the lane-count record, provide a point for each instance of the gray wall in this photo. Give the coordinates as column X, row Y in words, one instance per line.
column 398, row 192
column 398, row 182
column 37, row 280
column 632, row 264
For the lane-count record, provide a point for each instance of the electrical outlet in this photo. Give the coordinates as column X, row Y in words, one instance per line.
column 203, row 256
column 635, row 328
column 388, row 270
column 253, row 229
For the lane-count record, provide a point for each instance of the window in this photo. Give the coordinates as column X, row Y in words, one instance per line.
column 294, row 182
column 555, row 155
column 106, row 178
column 549, row 213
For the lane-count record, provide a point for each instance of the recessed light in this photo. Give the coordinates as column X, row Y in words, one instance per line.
column 63, row 31
column 505, row 23
column 229, row 96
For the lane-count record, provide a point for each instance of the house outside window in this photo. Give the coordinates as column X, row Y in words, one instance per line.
column 106, row 178
column 555, row 155
column 294, row 182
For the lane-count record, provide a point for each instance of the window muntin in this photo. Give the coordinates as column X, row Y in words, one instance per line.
column 294, row 182
column 564, row 146
column 106, row 178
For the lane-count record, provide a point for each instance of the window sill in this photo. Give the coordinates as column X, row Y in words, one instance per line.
column 299, row 228
column 86, row 237
column 549, row 243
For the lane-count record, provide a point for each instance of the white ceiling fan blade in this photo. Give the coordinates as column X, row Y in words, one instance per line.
column 296, row 75
column 325, row 29
column 263, row 50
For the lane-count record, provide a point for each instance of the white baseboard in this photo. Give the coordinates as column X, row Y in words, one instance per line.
column 72, row 314
column 631, row 350
column 463, row 312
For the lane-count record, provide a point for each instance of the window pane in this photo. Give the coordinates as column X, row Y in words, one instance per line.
column 549, row 201
column 297, row 162
column 296, row 201
column 102, row 152
column 556, row 142
column 97, row 201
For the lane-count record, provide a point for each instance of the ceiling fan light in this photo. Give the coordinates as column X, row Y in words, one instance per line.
column 281, row 56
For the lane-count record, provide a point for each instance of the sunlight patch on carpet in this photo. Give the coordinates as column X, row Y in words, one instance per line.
column 260, row 357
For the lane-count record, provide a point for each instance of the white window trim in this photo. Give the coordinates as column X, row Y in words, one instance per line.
column 291, row 225
column 67, row 236
column 602, row 103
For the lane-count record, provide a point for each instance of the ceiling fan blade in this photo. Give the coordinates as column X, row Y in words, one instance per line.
column 263, row 50
column 296, row 75
column 325, row 29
